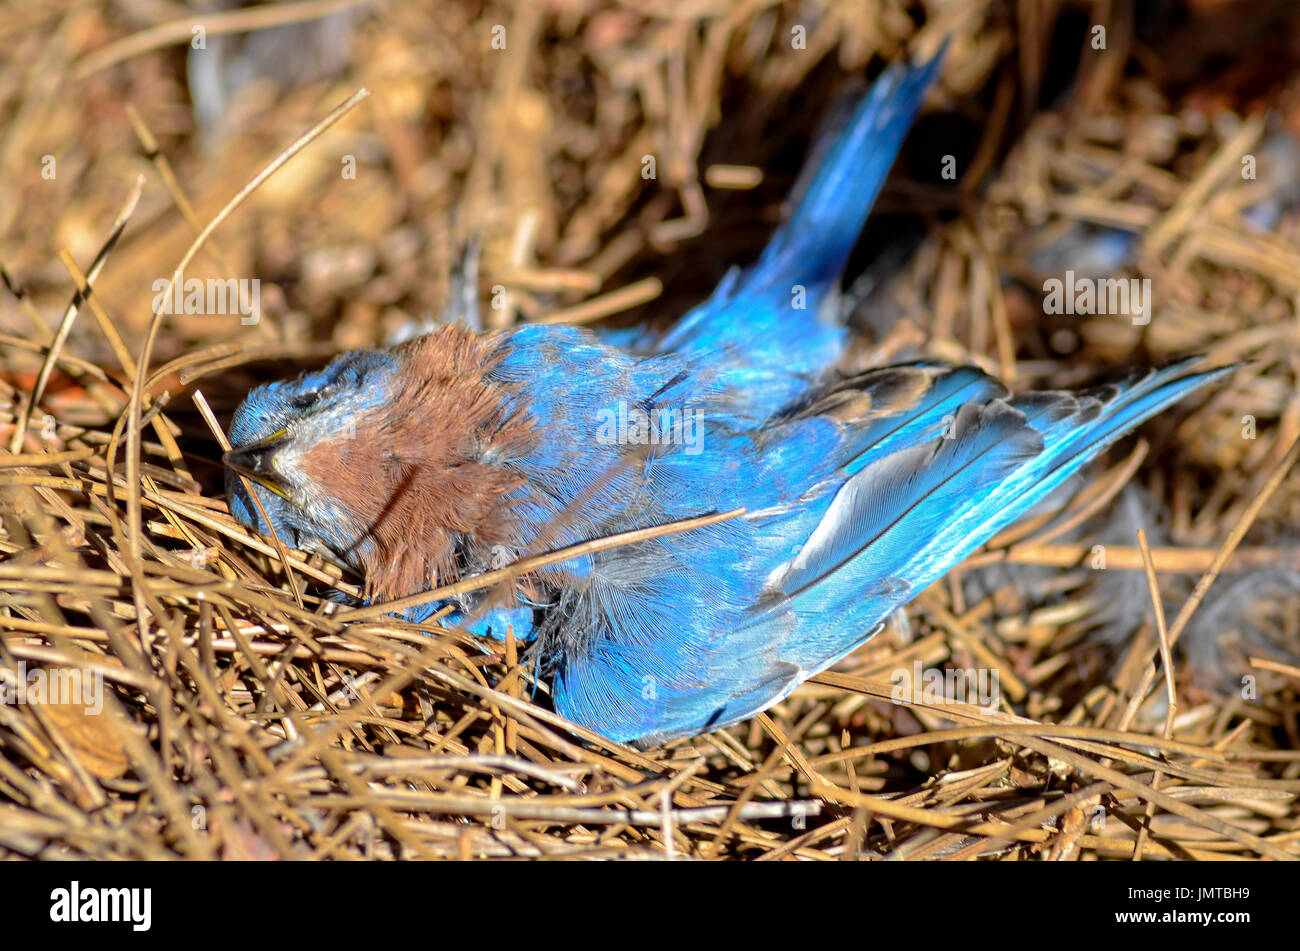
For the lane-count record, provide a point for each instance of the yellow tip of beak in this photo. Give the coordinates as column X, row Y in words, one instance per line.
column 257, row 462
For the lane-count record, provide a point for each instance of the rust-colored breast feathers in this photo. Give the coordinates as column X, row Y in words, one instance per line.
column 414, row 472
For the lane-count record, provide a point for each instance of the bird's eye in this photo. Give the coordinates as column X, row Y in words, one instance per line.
column 303, row 400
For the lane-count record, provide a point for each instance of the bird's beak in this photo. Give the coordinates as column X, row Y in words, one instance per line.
column 256, row 461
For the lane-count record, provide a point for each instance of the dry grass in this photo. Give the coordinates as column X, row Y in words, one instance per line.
column 247, row 716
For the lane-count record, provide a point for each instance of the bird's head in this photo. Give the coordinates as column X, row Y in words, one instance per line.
column 396, row 463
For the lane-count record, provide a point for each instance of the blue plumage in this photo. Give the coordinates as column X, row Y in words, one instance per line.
column 774, row 326
column 455, row 453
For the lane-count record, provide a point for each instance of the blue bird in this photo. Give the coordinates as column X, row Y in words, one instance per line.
column 454, row 453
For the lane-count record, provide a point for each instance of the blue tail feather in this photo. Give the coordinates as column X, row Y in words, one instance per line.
column 767, row 327
column 811, row 248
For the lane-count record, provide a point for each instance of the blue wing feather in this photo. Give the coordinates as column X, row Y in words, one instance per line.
column 702, row 629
